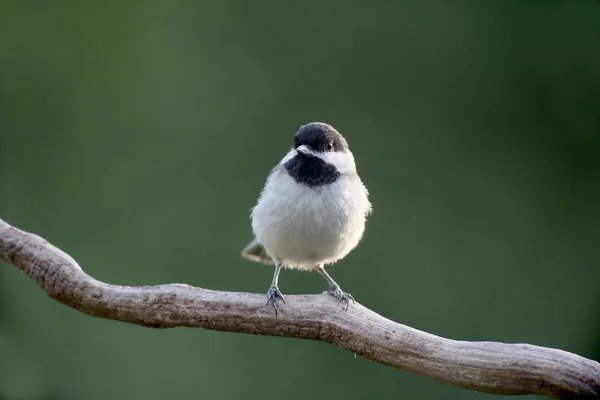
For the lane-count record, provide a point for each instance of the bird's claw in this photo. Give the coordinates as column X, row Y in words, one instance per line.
column 341, row 296
column 272, row 296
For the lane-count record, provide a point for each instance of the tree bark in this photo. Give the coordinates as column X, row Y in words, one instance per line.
column 490, row 367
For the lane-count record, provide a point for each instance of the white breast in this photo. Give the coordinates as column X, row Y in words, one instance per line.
column 304, row 226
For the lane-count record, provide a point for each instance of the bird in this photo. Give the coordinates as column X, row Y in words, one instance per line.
column 312, row 210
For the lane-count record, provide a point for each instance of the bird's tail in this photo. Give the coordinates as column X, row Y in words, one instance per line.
column 256, row 252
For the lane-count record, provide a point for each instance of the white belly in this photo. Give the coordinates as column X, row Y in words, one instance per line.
column 305, row 226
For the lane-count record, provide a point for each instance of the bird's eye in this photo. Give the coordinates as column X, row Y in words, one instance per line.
column 329, row 146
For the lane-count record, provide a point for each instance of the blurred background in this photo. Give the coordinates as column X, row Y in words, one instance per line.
column 136, row 136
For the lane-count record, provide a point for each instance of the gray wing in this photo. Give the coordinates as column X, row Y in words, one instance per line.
column 256, row 252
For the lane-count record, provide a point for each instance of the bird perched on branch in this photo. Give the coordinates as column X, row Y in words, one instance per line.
column 312, row 210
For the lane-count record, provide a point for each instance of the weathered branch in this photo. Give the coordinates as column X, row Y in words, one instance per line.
column 484, row 366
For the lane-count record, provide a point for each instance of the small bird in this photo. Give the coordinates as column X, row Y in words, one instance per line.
column 312, row 210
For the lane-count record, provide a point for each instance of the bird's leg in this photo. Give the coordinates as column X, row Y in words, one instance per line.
column 274, row 292
column 334, row 289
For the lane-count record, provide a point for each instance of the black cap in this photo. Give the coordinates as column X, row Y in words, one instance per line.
column 321, row 137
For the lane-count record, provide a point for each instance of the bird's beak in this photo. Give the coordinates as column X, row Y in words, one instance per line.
column 302, row 149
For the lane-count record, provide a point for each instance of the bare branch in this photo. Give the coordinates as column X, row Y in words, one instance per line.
column 483, row 366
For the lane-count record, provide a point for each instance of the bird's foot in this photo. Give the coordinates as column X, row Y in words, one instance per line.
column 272, row 296
column 341, row 296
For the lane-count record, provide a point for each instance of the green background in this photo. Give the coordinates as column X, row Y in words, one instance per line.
column 136, row 136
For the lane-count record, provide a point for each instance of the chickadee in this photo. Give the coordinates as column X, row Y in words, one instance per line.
column 312, row 210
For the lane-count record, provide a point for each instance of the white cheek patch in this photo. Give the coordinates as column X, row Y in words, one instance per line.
column 343, row 161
